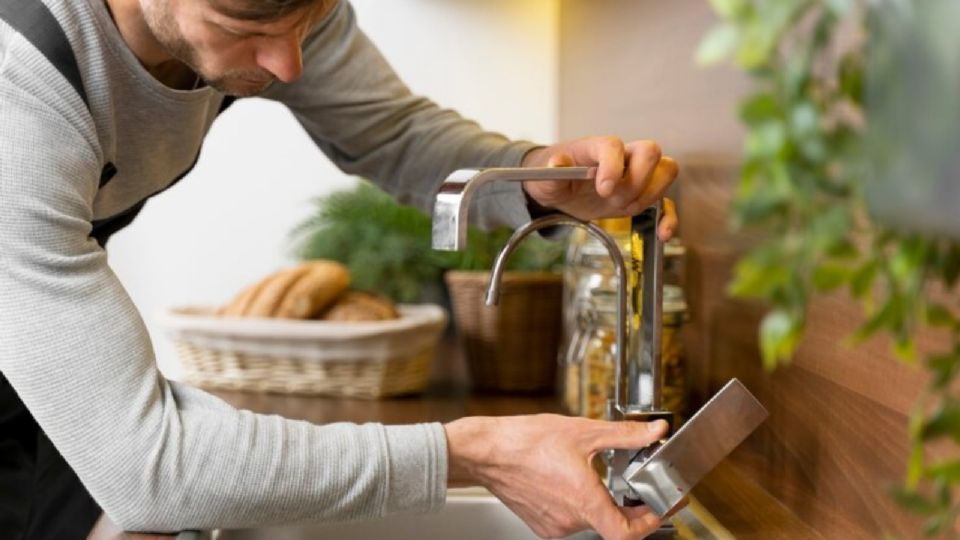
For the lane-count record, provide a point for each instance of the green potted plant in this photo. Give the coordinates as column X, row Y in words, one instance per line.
column 386, row 246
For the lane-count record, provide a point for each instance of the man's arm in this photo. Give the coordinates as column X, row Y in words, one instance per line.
column 157, row 456
column 368, row 123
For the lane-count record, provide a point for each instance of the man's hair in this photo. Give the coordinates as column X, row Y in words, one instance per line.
column 263, row 10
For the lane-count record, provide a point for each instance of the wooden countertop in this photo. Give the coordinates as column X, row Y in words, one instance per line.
column 742, row 508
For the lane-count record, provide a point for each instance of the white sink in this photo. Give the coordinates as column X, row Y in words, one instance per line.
column 470, row 514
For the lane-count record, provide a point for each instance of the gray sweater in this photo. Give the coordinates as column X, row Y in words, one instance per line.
column 157, row 455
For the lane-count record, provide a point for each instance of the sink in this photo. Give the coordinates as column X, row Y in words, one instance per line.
column 470, row 514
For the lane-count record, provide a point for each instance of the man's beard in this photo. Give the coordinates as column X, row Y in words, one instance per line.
column 240, row 83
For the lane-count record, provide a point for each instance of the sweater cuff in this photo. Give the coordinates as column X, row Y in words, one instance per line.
column 418, row 468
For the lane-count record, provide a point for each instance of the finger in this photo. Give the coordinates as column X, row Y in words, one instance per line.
column 615, row 523
column 642, row 158
column 626, row 434
column 641, row 521
column 561, row 159
column 663, row 175
column 668, row 221
column 608, row 154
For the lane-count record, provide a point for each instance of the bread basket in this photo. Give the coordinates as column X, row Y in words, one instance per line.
column 358, row 359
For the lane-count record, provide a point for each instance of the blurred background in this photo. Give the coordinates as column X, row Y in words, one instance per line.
column 541, row 70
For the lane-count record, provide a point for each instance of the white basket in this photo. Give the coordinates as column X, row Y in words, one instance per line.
column 364, row 359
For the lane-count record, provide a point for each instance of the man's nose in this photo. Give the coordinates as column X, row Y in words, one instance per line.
column 282, row 57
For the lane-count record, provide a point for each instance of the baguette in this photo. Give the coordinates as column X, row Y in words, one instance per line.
column 300, row 292
column 314, row 290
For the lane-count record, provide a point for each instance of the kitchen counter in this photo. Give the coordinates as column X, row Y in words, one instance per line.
column 742, row 509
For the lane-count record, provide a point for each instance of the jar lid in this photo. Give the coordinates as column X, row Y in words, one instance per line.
column 673, row 300
column 605, row 299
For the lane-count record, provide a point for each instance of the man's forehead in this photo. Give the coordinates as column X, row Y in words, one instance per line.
column 263, row 10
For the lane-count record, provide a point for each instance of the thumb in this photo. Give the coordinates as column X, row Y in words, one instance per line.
column 561, row 159
column 628, row 435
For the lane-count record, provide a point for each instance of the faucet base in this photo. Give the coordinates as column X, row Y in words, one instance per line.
column 618, row 460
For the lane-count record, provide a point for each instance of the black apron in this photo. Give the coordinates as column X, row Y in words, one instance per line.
column 40, row 495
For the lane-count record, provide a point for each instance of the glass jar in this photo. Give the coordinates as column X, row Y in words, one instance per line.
column 588, row 352
column 671, row 350
column 590, row 364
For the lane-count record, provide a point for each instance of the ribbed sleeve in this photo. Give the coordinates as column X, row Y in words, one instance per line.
column 157, row 456
column 367, row 121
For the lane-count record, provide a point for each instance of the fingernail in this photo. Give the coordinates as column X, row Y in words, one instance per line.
column 658, row 425
column 606, row 185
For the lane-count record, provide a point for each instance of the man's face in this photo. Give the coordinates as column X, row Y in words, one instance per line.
column 235, row 56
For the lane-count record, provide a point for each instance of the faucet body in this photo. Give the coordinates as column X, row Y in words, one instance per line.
column 637, row 392
column 661, row 475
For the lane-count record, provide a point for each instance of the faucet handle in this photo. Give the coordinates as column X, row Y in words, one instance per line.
column 453, row 199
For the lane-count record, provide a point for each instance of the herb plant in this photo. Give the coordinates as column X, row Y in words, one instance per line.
column 386, row 245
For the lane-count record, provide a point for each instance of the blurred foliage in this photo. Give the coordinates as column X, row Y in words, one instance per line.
column 386, row 245
column 802, row 184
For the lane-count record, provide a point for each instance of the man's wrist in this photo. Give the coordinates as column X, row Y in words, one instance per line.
column 535, row 157
column 469, row 448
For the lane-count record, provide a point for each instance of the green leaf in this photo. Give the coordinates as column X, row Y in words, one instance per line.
column 944, row 368
column 939, row 316
column 730, row 9
column 717, row 45
column 766, row 140
column 945, row 422
column 839, row 8
column 905, row 349
column 851, row 76
column 755, row 278
column 914, row 501
column 947, row 470
column 862, row 280
column 886, row 317
column 779, row 336
column 951, row 266
column 828, row 277
column 760, row 108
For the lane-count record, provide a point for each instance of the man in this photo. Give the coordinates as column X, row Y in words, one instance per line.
column 94, row 124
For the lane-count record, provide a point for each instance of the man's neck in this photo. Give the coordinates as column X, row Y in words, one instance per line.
column 129, row 18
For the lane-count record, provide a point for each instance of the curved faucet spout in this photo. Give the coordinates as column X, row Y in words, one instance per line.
column 553, row 220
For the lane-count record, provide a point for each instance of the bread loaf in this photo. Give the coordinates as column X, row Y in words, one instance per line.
column 300, row 292
column 361, row 306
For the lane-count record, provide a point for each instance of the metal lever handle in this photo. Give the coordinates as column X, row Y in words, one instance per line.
column 631, row 388
column 453, row 199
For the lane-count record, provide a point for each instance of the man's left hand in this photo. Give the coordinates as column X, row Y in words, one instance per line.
column 630, row 177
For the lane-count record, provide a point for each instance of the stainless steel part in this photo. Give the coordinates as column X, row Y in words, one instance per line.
column 553, row 220
column 630, row 394
column 453, row 199
column 661, row 478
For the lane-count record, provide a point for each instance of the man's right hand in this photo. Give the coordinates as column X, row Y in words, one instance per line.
column 539, row 466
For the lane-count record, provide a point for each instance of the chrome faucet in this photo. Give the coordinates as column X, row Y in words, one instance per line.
column 637, row 392
column 661, row 475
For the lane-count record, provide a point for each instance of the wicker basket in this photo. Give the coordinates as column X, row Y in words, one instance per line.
column 358, row 359
column 510, row 347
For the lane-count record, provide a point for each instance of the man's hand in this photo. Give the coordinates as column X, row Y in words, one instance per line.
column 630, row 177
column 539, row 466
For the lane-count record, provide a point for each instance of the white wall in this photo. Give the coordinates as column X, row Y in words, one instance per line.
column 226, row 224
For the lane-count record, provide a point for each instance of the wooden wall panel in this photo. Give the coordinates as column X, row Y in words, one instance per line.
column 836, row 439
